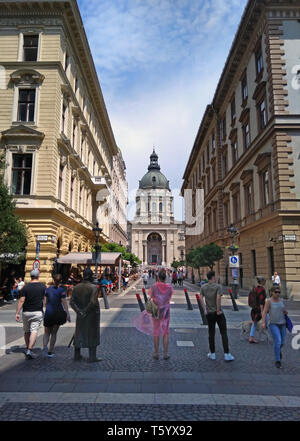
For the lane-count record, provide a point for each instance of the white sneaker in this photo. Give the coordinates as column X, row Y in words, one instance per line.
column 45, row 352
column 30, row 355
column 228, row 357
column 50, row 355
column 211, row 356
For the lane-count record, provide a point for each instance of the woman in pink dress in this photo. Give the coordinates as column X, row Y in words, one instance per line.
column 161, row 294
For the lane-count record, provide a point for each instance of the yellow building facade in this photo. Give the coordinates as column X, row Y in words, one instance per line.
column 55, row 130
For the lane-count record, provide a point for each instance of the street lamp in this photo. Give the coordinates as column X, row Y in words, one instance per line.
column 235, row 284
column 182, row 255
column 97, row 231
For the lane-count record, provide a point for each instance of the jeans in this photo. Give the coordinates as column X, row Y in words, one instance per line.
column 279, row 334
column 254, row 324
column 212, row 319
column 14, row 293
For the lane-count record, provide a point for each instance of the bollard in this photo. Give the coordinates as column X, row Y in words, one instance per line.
column 141, row 305
column 103, row 291
column 145, row 295
column 189, row 305
column 235, row 308
column 203, row 316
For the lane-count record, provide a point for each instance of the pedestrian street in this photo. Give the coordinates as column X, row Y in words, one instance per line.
column 128, row 384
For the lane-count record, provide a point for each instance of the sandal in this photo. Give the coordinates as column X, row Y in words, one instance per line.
column 167, row 357
column 156, row 357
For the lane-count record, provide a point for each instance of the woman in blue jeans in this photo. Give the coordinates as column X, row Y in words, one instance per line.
column 276, row 309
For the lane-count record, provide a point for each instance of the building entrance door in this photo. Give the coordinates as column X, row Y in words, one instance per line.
column 154, row 248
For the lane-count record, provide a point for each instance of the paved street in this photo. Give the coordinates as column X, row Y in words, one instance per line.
column 130, row 385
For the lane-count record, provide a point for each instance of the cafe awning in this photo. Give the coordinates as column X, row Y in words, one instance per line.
column 87, row 259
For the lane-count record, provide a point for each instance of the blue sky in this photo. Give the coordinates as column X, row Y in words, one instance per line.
column 159, row 62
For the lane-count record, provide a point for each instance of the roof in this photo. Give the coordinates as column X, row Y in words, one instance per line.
column 87, row 258
column 154, row 178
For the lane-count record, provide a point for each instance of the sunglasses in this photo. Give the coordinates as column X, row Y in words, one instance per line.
column 277, row 292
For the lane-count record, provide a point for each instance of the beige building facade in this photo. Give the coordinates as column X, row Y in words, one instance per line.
column 247, row 150
column 154, row 235
column 54, row 130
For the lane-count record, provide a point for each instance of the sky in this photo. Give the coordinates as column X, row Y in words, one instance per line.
column 159, row 63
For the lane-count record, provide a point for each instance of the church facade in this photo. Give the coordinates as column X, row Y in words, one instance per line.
column 154, row 235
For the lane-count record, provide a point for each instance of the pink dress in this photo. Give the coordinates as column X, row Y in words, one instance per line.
column 161, row 294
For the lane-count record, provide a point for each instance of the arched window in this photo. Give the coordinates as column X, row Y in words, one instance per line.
column 160, row 207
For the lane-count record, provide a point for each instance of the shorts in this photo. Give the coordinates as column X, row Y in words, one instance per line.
column 32, row 321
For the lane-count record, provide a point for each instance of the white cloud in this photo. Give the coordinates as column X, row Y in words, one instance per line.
column 159, row 62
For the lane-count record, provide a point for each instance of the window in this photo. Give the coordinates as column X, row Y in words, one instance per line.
column 233, row 110
column 253, row 255
column 236, row 208
column 223, row 129
column 265, row 188
column 224, row 164
column 246, row 135
column 203, row 164
column 74, row 136
column 207, row 153
column 226, row 214
column 94, row 167
column 208, row 181
column 244, row 87
column 234, row 148
column 30, row 47
column 76, row 84
column 63, row 119
column 60, row 181
column 21, row 174
column 271, row 260
column 154, row 207
column 213, row 141
column 262, row 114
column 82, row 148
column 214, row 174
column 160, row 207
column 214, row 220
column 26, row 105
column 67, row 61
column 259, row 61
column 71, row 192
column 248, row 199
column 80, row 199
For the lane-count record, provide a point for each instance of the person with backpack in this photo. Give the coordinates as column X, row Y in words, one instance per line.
column 256, row 301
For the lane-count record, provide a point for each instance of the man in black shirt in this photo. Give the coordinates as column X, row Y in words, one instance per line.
column 31, row 300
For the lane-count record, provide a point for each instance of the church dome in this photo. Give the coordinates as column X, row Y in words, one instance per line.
column 154, row 178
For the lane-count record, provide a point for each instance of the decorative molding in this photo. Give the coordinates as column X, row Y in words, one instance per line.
column 26, row 77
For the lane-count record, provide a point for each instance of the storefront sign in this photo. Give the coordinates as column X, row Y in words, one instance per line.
column 290, row 237
column 42, row 238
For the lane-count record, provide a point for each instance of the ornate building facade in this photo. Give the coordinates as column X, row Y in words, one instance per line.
column 55, row 131
column 247, row 149
column 155, row 237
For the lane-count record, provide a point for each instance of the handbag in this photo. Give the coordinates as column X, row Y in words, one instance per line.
column 152, row 308
column 288, row 323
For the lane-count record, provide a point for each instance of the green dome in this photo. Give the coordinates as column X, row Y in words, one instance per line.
column 154, row 178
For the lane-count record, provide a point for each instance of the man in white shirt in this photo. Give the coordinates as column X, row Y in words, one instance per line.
column 276, row 279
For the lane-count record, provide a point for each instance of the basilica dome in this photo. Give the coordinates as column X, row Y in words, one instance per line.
column 154, row 178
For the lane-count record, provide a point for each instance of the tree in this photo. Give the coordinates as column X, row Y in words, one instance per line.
column 116, row 248
column 194, row 259
column 211, row 254
column 12, row 230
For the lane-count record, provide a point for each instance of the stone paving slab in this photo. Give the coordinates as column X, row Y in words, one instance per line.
column 144, row 412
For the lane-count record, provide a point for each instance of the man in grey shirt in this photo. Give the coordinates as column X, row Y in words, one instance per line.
column 210, row 295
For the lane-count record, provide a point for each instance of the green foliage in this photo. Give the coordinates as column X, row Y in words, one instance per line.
column 176, row 264
column 116, row 248
column 205, row 256
column 12, row 230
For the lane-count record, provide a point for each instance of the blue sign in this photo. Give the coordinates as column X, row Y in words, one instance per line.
column 38, row 247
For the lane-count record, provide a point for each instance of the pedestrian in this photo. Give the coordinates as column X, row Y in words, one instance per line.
column 56, row 314
column 145, row 278
column 210, row 296
column 174, row 278
column 31, row 300
column 277, row 323
column 161, row 294
column 85, row 303
column 276, row 279
column 256, row 301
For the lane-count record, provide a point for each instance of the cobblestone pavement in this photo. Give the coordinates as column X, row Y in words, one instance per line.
column 153, row 413
column 128, row 368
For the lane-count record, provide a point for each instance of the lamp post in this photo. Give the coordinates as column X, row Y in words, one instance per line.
column 97, row 231
column 235, row 284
